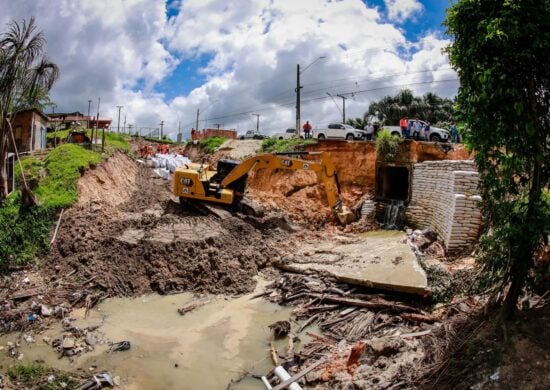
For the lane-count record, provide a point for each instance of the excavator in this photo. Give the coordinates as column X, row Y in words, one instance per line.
column 226, row 184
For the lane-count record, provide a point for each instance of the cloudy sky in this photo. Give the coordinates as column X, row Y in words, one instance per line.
column 163, row 60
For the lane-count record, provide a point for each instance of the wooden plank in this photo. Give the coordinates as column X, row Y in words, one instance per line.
column 26, row 293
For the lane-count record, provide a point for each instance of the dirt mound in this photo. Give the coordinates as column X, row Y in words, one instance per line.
column 110, row 183
column 154, row 245
column 301, row 195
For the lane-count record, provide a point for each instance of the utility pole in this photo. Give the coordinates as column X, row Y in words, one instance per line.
column 197, row 125
column 217, row 125
column 118, row 127
column 97, row 124
column 344, row 107
column 89, row 105
column 161, row 125
column 130, row 129
column 298, row 100
column 257, row 122
column 124, row 126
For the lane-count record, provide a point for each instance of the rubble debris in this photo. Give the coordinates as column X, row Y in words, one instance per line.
column 280, row 328
column 361, row 331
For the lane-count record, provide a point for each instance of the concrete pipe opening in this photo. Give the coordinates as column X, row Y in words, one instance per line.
column 393, row 183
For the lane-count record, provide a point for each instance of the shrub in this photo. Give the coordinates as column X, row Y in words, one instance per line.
column 387, row 145
column 211, row 144
column 271, row 145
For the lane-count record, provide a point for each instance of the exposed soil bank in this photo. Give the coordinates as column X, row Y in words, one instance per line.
column 111, row 182
column 302, row 197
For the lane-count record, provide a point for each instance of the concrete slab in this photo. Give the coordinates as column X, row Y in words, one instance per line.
column 380, row 259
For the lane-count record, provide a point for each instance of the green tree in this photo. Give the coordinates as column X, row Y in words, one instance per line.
column 26, row 76
column 429, row 107
column 500, row 52
column 358, row 123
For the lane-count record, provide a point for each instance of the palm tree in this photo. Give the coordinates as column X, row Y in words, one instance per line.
column 358, row 123
column 26, row 76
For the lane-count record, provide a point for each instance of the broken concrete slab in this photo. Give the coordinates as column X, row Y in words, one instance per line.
column 380, row 259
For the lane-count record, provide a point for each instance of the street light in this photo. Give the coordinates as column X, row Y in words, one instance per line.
column 298, row 87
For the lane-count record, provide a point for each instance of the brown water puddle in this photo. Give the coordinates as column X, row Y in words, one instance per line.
column 204, row 349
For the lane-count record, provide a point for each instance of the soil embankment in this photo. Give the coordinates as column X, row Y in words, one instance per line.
column 300, row 195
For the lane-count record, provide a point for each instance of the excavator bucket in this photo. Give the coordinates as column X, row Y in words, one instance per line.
column 345, row 215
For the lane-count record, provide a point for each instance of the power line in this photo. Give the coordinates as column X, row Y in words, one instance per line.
column 325, row 97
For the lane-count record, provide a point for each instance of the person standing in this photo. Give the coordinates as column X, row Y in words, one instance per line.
column 454, row 133
column 409, row 127
column 193, row 132
column 404, row 124
column 369, row 128
column 427, row 131
column 416, row 129
column 307, row 130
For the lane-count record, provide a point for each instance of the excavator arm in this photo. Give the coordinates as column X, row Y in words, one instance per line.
column 323, row 167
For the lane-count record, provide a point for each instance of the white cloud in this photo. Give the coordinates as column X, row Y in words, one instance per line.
column 120, row 50
column 401, row 10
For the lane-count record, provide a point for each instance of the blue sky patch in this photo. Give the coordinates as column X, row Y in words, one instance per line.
column 429, row 20
column 184, row 78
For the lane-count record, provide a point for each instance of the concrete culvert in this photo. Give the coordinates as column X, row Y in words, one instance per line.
column 392, row 182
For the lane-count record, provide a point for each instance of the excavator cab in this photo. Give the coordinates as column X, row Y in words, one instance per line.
column 224, row 167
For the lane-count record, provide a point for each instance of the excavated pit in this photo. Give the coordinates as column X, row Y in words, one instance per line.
column 148, row 243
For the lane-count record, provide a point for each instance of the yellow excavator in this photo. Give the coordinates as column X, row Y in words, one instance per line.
column 226, row 184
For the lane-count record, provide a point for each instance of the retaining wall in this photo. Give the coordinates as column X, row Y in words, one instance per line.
column 444, row 198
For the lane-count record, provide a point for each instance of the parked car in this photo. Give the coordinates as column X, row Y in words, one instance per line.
column 288, row 134
column 437, row 134
column 252, row 134
column 340, row 131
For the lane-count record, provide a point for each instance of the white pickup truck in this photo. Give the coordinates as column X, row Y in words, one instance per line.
column 288, row 134
column 339, row 131
column 437, row 134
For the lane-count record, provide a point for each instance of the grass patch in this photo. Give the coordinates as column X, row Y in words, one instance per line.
column 271, row 145
column 35, row 376
column 64, row 166
column 25, row 231
column 211, row 144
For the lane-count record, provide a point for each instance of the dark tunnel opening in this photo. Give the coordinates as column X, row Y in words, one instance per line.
column 393, row 182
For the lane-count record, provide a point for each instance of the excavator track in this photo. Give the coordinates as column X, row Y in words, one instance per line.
column 205, row 208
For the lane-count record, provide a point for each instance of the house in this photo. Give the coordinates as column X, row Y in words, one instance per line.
column 65, row 120
column 29, row 130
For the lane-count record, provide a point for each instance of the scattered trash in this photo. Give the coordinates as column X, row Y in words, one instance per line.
column 32, row 317
column 45, row 311
column 97, row 382
column 120, row 346
column 495, row 376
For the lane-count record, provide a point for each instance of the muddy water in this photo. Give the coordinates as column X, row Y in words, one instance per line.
column 204, row 349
